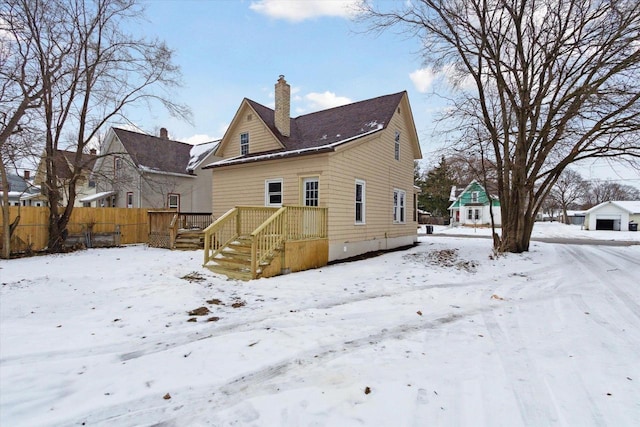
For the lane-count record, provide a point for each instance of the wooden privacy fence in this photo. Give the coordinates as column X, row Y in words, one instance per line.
column 130, row 225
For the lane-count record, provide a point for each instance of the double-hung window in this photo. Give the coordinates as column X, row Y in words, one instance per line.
column 397, row 146
column 173, row 201
column 474, row 197
column 311, row 191
column 130, row 199
column 244, row 143
column 360, row 201
column 399, row 206
column 273, row 192
column 117, row 166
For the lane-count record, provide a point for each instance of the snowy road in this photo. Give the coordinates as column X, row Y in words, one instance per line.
column 442, row 334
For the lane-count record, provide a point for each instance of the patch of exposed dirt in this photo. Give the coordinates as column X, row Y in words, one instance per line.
column 447, row 258
column 200, row 311
column 238, row 304
column 194, row 276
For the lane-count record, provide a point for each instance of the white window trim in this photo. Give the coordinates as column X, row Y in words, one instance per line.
column 475, row 195
column 266, row 192
column 177, row 196
column 306, row 179
column 241, row 144
column 400, row 208
column 364, row 202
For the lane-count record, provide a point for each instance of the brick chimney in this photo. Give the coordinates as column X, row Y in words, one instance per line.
column 27, row 174
column 164, row 134
column 283, row 107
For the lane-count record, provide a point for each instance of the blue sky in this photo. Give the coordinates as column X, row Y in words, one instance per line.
column 232, row 49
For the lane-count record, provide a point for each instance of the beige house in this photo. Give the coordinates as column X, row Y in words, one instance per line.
column 355, row 161
column 137, row 170
column 65, row 164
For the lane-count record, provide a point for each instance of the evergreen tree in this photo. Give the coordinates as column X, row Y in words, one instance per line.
column 436, row 188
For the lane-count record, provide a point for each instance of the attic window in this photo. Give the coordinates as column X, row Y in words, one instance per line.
column 249, row 117
column 398, row 110
column 244, row 144
column 397, row 146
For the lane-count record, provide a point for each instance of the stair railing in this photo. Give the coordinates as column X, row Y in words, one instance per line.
column 219, row 234
column 268, row 237
column 173, row 231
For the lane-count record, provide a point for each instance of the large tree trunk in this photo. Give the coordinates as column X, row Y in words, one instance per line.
column 517, row 219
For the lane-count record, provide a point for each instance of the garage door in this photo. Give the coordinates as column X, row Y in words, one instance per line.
column 608, row 222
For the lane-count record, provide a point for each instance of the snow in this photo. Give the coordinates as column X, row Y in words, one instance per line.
column 631, row 206
column 199, row 152
column 544, row 230
column 444, row 333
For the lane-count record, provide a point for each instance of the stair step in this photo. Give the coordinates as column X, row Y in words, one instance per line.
column 233, row 262
column 234, row 273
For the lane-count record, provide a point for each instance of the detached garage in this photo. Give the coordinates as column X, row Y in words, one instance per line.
column 614, row 216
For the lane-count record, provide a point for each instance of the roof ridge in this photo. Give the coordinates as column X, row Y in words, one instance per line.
column 151, row 136
column 332, row 108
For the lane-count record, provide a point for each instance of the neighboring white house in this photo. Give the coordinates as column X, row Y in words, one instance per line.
column 146, row 171
column 614, row 215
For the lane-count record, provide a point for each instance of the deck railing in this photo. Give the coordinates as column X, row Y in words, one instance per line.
column 219, row 234
column 187, row 221
column 305, row 222
column 267, row 238
column 194, row 220
column 268, row 229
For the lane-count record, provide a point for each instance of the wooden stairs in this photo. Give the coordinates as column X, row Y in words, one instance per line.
column 189, row 240
column 234, row 260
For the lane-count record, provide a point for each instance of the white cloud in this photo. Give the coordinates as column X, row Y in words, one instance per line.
column 322, row 101
column 423, row 79
column 297, row 10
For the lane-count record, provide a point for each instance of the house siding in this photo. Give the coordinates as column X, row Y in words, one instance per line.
column 464, row 203
column 243, row 185
column 260, row 137
column 150, row 190
column 370, row 159
column 609, row 211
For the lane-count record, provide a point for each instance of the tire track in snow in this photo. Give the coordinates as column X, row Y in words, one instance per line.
column 535, row 403
column 604, row 274
column 268, row 379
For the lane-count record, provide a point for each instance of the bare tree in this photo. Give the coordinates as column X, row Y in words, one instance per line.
column 91, row 71
column 605, row 191
column 20, row 93
column 569, row 190
column 553, row 82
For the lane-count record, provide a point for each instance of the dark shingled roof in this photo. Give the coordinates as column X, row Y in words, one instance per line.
column 155, row 153
column 333, row 125
column 65, row 158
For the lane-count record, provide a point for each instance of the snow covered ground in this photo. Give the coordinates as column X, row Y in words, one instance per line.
column 440, row 334
column 546, row 230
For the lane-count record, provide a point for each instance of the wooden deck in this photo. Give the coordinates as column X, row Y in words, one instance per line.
column 249, row 242
column 178, row 230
